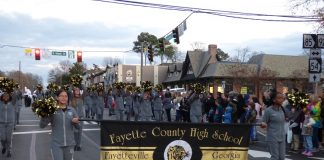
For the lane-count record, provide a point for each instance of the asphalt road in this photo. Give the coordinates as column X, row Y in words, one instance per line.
column 32, row 143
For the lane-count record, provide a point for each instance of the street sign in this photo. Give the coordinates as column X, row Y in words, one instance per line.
column 309, row 40
column 315, row 53
column 169, row 37
column 314, row 77
column 315, row 65
column 320, row 41
column 58, row 53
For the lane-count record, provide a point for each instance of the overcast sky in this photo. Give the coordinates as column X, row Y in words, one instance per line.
column 91, row 25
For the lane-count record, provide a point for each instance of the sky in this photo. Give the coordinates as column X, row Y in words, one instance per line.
column 88, row 25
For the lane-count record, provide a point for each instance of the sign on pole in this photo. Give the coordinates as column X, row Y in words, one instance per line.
column 309, row 41
column 58, row 53
column 315, row 65
column 314, row 77
column 315, row 53
column 320, row 41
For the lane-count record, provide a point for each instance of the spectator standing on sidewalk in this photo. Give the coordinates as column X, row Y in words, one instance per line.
column 307, row 132
column 274, row 121
column 295, row 126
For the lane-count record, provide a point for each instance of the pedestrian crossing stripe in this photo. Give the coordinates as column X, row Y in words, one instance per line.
column 89, row 122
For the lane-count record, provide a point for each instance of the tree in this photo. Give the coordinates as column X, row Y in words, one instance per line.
column 2, row 74
column 198, row 46
column 144, row 39
column 315, row 8
column 178, row 57
column 65, row 65
column 111, row 61
column 78, row 68
column 28, row 80
column 169, row 52
column 221, row 55
column 243, row 55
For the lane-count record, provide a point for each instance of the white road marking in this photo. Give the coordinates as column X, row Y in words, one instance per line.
column 32, row 151
column 262, row 154
column 91, row 141
column 29, row 120
column 261, row 133
column 317, row 158
column 49, row 131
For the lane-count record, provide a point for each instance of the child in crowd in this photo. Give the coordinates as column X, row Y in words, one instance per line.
column 307, row 132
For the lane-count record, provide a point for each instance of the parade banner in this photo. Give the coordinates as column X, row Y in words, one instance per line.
column 173, row 141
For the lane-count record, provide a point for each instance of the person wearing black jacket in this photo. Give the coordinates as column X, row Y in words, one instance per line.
column 297, row 119
column 210, row 107
column 185, row 109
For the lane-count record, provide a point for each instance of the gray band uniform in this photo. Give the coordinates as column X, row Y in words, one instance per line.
column 275, row 119
column 195, row 108
column 79, row 108
column 62, row 143
column 7, row 120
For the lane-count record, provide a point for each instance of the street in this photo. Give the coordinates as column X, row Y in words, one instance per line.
column 32, row 143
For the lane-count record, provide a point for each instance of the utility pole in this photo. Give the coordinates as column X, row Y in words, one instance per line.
column 19, row 74
column 142, row 52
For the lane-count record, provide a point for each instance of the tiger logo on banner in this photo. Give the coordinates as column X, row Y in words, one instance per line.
column 178, row 150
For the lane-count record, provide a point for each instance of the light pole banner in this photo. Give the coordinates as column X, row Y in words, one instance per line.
column 173, row 141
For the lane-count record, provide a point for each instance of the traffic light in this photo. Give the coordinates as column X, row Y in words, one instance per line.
column 175, row 34
column 79, row 56
column 150, row 53
column 37, row 54
column 161, row 44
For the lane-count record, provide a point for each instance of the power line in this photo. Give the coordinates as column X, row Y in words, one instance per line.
column 25, row 47
column 224, row 13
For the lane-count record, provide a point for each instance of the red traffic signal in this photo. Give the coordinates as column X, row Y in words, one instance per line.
column 79, row 56
column 37, row 54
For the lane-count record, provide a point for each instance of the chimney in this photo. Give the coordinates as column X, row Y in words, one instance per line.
column 212, row 50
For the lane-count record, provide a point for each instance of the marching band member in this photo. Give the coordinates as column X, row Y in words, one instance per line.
column 17, row 96
column 93, row 108
column 136, row 104
column 120, row 108
column 62, row 122
column 100, row 105
column 87, row 103
column 195, row 101
column 78, row 104
column 7, row 120
column 128, row 103
column 157, row 104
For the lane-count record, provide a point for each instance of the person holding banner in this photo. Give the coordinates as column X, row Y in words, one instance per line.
column 157, row 104
column 274, row 121
column 146, row 107
column 77, row 104
column 7, row 120
column 63, row 121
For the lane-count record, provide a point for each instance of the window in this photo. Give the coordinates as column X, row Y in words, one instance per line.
column 170, row 74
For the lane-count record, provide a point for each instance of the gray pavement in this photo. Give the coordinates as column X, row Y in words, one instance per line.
column 32, row 143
